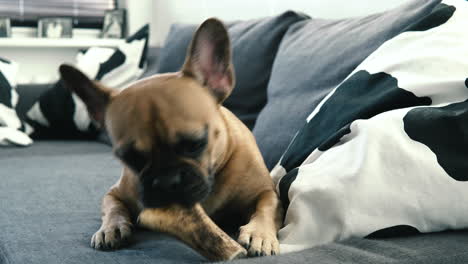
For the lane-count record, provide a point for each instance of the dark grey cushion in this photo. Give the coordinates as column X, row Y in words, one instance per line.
column 151, row 62
column 254, row 46
column 313, row 58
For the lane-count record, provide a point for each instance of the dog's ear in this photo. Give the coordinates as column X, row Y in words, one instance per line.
column 95, row 96
column 209, row 59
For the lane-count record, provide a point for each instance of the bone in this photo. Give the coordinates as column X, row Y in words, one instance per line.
column 194, row 227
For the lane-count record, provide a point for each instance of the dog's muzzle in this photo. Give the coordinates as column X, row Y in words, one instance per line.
column 184, row 185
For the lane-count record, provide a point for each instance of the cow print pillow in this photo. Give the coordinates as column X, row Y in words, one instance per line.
column 386, row 151
column 60, row 114
column 12, row 128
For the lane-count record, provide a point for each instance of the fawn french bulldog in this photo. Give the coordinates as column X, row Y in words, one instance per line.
column 187, row 160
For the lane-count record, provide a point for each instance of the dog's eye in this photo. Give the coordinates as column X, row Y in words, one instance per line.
column 192, row 148
column 192, row 145
column 134, row 159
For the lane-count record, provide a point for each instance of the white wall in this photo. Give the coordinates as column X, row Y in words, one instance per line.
column 40, row 64
column 162, row 13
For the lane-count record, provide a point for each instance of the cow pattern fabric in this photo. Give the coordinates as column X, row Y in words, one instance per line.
column 61, row 114
column 13, row 131
column 386, row 150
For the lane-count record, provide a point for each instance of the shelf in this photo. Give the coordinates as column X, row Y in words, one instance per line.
column 58, row 43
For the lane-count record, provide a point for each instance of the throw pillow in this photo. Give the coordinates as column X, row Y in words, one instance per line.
column 59, row 113
column 12, row 128
column 385, row 152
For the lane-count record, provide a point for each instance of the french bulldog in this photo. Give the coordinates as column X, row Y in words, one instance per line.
column 188, row 162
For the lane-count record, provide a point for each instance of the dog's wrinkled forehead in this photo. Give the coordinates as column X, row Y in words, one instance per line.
column 163, row 108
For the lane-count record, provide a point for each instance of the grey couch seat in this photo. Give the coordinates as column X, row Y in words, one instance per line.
column 50, row 195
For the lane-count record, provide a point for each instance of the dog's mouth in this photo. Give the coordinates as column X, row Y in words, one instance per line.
column 186, row 197
column 186, row 194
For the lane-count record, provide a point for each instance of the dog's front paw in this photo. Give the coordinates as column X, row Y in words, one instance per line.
column 258, row 239
column 111, row 236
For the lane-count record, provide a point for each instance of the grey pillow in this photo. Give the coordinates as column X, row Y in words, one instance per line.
column 313, row 58
column 254, row 47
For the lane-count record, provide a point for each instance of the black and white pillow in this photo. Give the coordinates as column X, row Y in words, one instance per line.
column 59, row 113
column 12, row 128
column 386, row 151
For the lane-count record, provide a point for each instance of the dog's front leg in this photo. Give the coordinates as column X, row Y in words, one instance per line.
column 259, row 236
column 116, row 225
column 194, row 227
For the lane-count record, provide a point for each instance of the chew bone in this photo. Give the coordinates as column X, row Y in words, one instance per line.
column 194, row 227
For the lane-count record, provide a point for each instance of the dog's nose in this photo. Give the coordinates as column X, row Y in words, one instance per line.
column 169, row 181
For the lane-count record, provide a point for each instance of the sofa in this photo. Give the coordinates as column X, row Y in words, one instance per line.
column 50, row 192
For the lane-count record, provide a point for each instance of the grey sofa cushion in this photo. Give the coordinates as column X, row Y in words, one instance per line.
column 151, row 62
column 254, row 47
column 313, row 58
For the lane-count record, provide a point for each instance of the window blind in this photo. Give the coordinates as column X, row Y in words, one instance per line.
column 85, row 13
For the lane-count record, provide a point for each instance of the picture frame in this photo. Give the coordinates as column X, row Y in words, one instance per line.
column 5, row 27
column 55, row 27
column 114, row 24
